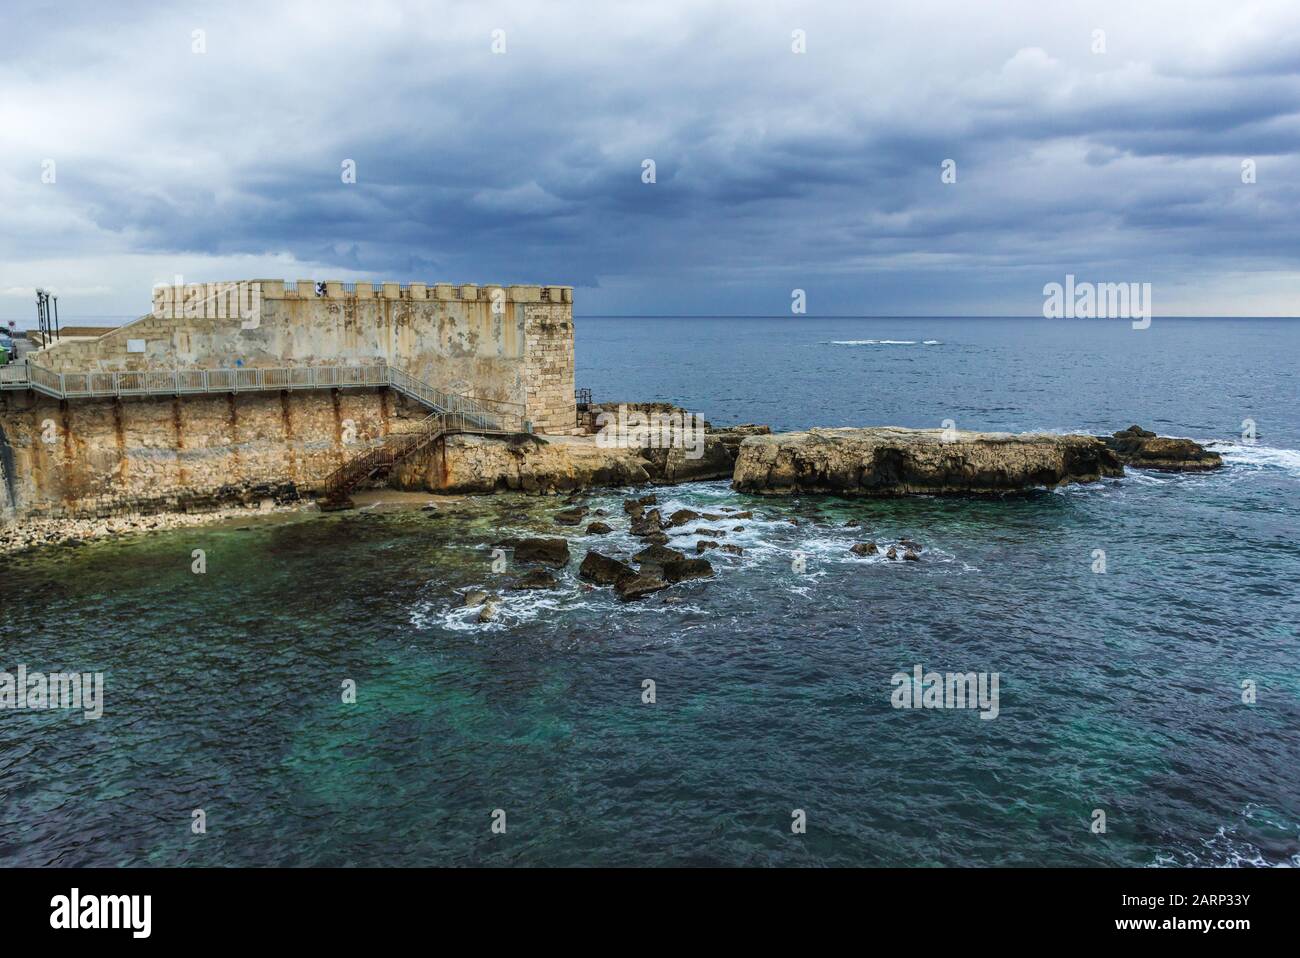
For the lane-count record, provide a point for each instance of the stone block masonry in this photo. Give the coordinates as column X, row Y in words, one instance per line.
column 548, row 361
column 67, row 457
column 507, row 343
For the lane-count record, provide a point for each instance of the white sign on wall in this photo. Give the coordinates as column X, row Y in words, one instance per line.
column 135, row 345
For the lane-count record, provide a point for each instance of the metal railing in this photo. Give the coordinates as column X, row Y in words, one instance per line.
column 489, row 413
column 485, row 414
column 13, row 376
column 338, row 483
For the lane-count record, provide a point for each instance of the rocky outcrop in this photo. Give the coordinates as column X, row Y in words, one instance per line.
column 679, row 570
column 683, row 516
column 713, row 459
column 647, row 523
column 660, row 568
column 888, row 461
column 643, row 584
column 524, row 463
column 658, row 555
column 603, row 570
column 636, row 507
column 552, row 552
column 732, row 436
column 535, row 579
column 1142, row 449
column 570, row 517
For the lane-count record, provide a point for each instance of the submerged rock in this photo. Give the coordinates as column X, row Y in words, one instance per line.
column 865, row 549
column 910, row 556
column 657, row 555
column 703, row 545
column 603, row 570
column 1142, row 449
column 635, row 586
column 570, row 517
column 680, row 570
column 536, row 579
column 887, row 461
column 644, row 525
column 598, row 529
column 553, row 552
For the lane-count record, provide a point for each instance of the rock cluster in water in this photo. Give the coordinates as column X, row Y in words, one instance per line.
column 1143, row 449
column 656, row 567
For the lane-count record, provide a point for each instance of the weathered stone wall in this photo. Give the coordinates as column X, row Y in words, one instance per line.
column 512, row 344
column 548, row 368
column 74, row 455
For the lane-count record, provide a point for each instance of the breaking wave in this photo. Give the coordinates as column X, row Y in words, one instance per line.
column 1259, row 457
column 882, row 342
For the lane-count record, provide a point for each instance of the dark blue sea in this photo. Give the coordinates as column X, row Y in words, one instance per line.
column 1120, row 691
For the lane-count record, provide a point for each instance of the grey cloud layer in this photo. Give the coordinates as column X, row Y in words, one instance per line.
column 775, row 170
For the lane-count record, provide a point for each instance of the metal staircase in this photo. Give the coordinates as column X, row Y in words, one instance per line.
column 379, row 460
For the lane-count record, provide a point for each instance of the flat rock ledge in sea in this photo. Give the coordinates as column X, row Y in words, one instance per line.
column 887, row 461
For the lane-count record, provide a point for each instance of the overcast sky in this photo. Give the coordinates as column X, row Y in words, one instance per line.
column 775, row 170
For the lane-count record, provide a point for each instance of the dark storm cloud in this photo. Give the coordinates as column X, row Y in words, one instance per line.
column 775, row 170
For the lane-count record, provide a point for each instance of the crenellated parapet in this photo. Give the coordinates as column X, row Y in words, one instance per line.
column 244, row 298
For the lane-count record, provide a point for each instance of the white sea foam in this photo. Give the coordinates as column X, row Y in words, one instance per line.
column 1259, row 457
column 882, row 342
column 1224, row 850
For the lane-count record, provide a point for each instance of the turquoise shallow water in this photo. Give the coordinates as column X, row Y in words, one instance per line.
column 1119, row 691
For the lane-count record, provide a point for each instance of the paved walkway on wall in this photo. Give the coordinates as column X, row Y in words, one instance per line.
column 486, row 415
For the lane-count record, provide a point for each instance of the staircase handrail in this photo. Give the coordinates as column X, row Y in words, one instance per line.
column 481, row 411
